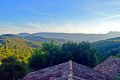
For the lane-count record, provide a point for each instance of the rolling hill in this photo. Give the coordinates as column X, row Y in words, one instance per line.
column 35, row 38
column 77, row 37
column 12, row 45
column 108, row 46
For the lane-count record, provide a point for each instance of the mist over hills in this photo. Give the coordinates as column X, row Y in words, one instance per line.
column 32, row 38
column 63, row 37
column 77, row 37
column 103, row 43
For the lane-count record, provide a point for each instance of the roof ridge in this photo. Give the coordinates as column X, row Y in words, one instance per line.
column 70, row 75
column 113, row 57
column 68, row 71
column 109, row 67
column 109, row 59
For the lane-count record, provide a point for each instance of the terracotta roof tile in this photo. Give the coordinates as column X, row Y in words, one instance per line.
column 109, row 67
column 67, row 71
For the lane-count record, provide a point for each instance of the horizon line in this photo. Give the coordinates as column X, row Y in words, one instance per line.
column 60, row 32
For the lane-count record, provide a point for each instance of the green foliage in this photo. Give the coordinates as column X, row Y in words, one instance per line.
column 82, row 53
column 52, row 54
column 107, row 48
column 11, row 69
column 118, row 77
column 16, row 47
column 48, row 55
column 10, row 60
column 37, row 60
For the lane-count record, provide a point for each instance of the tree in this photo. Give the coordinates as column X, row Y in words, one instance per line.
column 11, row 69
column 48, row 55
column 69, row 49
column 54, row 54
column 51, row 54
column 37, row 60
column 82, row 53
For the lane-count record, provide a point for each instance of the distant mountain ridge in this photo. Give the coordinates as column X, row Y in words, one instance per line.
column 42, row 39
column 14, row 39
column 24, row 34
column 77, row 37
column 63, row 37
column 33, row 38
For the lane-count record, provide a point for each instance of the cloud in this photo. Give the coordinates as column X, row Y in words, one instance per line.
column 109, row 17
column 68, row 27
column 88, row 27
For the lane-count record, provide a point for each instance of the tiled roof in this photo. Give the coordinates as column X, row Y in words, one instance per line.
column 58, row 72
column 109, row 67
column 67, row 71
column 85, row 73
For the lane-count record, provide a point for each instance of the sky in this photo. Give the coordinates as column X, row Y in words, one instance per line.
column 68, row 16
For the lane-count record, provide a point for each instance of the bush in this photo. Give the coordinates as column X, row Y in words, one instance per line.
column 11, row 69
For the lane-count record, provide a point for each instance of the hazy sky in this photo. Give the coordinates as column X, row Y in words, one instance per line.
column 72, row 16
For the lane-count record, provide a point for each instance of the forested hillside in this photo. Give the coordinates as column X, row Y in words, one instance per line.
column 11, row 45
column 106, row 48
column 36, row 38
column 76, row 37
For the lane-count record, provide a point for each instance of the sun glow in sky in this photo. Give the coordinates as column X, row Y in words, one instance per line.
column 69, row 16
